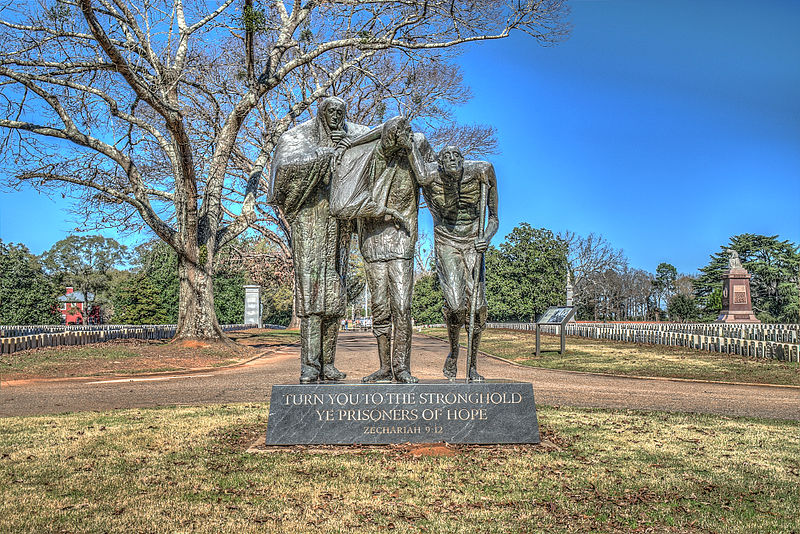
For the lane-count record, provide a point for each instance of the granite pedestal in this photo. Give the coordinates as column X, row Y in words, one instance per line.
column 428, row 412
column 737, row 305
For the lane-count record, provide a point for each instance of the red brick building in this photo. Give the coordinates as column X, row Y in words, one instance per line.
column 71, row 306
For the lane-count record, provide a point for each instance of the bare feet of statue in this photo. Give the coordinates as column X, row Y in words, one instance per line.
column 381, row 375
column 474, row 376
column 329, row 372
column 450, row 366
column 404, row 377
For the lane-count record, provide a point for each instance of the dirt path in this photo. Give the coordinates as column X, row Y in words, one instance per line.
column 357, row 356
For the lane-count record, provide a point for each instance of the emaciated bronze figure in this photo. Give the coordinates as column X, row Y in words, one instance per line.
column 457, row 193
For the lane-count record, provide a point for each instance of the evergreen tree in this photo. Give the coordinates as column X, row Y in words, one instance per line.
column 137, row 300
column 664, row 284
column 526, row 274
column 150, row 295
column 427, row 300
column 682, row 308
column 27, row 294
column 229, row 296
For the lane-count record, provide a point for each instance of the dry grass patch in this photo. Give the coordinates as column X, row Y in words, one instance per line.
column 631, row 359
column 187, row 470
column 133, row 356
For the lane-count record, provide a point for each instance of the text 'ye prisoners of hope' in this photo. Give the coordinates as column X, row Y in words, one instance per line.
column 374, row 399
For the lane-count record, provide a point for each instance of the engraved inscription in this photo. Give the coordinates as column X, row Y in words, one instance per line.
column 397, row 413
column 739, row 295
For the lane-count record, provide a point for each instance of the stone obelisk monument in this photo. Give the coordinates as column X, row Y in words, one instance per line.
column 570, row 294
column 737, row 307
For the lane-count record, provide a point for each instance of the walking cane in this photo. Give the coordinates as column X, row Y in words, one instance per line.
column 476, row 274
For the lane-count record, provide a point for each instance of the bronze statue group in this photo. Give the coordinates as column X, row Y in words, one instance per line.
column 332, row 178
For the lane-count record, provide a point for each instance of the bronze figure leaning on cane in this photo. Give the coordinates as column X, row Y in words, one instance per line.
column 458, row 193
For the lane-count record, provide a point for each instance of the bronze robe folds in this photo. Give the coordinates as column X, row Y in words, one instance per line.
column 299, row 184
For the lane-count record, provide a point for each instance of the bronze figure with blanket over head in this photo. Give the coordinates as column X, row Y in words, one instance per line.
column 376, row 183
column 300, row 185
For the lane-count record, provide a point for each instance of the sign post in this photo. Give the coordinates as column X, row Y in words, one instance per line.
column 556, row 316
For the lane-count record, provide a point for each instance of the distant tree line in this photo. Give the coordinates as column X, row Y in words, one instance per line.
column 528, row 271
column 525, row 274
column 116, row 285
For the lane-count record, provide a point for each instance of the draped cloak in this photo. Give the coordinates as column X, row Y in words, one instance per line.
column 300, row 186
column 368, row 179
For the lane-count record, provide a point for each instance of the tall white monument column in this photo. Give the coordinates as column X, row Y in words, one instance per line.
column 570, row 294
column 252, row 305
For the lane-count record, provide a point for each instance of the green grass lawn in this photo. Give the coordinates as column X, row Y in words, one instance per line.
column 187, row 469
column 632, row 359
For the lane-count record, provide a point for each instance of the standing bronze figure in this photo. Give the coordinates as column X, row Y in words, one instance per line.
column 300, row 184
column 377, row 183
column 457, row 193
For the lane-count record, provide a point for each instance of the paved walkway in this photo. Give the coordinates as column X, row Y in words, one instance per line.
column 357, row 356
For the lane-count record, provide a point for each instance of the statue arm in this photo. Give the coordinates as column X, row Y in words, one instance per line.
column 349, row 142
column 488, row 180
column 417, row 164
column 492, row 222
column 420, row 148
column 372, row 135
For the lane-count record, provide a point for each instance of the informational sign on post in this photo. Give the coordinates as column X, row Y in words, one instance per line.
column 555, row 316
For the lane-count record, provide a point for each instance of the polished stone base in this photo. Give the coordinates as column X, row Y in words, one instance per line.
column 734, row 318
column 427, row 412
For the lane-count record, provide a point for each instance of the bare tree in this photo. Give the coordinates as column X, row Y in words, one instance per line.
column 684, row 284
column 138, row 109
column 423, row 255
column 265, row 264
column 592, row 259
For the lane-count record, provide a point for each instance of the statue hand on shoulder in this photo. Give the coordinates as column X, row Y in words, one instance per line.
column 338, row 135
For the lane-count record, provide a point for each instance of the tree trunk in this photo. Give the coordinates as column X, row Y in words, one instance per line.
column 197, row 318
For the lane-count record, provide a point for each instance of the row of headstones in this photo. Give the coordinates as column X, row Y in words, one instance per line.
column 756, row 348
column 781, row 333
column 10, row 345
column 32, row 330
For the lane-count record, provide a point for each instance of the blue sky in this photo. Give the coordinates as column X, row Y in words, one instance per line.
column 667, row 126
